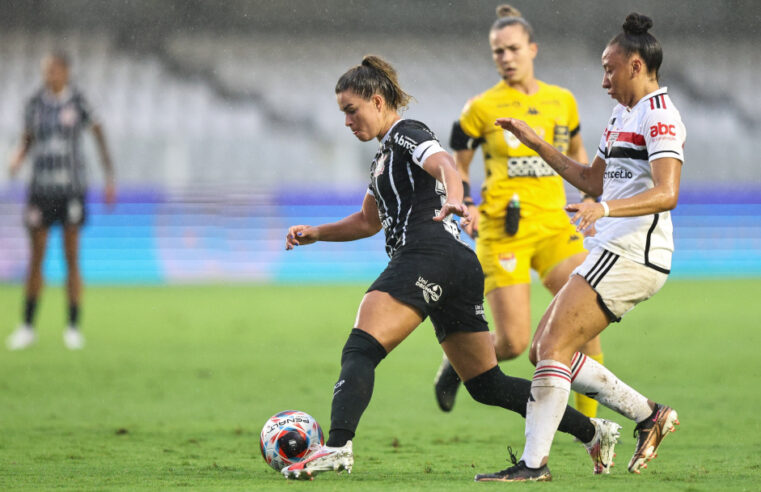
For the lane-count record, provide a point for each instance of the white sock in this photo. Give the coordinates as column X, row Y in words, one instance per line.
column 591, row 378
column 546, row 405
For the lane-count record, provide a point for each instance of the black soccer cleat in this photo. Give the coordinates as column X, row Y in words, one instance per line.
column 445, row 384
column 519, row 472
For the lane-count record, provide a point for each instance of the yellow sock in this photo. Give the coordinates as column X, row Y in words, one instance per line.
column 583, row 403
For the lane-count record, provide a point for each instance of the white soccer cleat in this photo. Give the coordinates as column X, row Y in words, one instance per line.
column 73, row 339
column 325, row 459
column 23, row 337
column 602, row 447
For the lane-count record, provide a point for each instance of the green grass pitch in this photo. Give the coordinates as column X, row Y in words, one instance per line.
column 175, row 384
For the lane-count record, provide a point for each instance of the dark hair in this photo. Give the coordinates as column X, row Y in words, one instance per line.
column 507, row 15
column 374, row 76
column 635, row 38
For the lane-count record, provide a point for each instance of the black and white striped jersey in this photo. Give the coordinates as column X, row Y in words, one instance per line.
column 55, row 123
column 408, row 197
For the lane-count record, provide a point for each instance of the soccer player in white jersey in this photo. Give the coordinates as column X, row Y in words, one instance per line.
column 636, row 171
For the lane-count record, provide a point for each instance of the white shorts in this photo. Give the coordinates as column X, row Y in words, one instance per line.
column 620, row 283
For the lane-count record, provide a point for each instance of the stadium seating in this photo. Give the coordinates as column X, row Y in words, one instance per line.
column 209, row 120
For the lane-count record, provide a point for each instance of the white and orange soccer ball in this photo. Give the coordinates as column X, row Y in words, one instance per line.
column 289, row 437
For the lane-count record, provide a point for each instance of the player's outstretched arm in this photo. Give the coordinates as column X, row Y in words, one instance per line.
column 358, row 225
column 586, row 178
column 441, row 166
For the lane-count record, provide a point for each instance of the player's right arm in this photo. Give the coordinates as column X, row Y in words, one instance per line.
column 364, row 223
column 17, row 159
column 586, row 178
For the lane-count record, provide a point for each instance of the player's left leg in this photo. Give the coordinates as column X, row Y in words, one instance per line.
column 554, row 280
column 72, row 336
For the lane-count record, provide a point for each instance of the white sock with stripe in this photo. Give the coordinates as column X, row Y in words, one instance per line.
column 591, row 378
column 546, row 404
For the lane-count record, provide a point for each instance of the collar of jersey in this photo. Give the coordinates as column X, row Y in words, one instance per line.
column 59, row 98
column 388, row 133
column 506, row 86
column 661, row 90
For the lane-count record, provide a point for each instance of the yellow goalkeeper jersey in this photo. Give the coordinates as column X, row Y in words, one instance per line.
column 511, row 167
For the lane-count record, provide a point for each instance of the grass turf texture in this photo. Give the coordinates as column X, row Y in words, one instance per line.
column 175, row 384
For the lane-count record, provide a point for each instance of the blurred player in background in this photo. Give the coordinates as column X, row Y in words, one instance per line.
column 414, row 192
column 53, row 123
column 637, row 170
column 520, row 224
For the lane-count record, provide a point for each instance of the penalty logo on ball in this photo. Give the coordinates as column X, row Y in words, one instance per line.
column 289, row 437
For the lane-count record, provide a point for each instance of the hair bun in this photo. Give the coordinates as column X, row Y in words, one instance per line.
column 637, row 24
column 506, row 10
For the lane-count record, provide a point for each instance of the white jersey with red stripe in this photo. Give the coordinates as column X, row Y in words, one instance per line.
column 634, row 138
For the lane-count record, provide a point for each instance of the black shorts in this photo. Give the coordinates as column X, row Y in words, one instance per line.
column 444, row 282
column 45, row 211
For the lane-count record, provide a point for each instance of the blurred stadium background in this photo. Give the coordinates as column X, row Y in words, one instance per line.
column 222, row 122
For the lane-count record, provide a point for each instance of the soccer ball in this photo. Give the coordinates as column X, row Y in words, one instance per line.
column 289, row 437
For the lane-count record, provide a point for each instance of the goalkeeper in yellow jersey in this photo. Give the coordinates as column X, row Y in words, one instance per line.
column 520, row 223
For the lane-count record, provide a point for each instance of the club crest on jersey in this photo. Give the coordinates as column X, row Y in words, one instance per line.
column 380, row 165
column 612, row 137
column 508, row 261
column 512, row 140
column 68, row 116
column 431, row 292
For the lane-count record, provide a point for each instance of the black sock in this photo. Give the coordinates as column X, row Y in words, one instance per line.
column 30, row 309
column 352, row 393
column 494, row 387
column 73, row 315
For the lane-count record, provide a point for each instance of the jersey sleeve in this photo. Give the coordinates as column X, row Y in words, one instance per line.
column 574, row 125
column 472, row 119
column 664, row 135
column 416, row 139
column 86, row 112
column 29, row 117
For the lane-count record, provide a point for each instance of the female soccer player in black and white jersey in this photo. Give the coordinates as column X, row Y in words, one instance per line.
column 54, row 120
column 637, row 172
column 414, row 191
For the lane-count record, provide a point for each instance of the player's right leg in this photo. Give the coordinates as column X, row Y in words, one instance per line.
column 72, row 336
column 24, row 335
column 382, row 323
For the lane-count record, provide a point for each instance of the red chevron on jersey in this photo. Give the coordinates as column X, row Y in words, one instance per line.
column 630, row 137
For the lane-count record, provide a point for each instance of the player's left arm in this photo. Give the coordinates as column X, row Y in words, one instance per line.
column 90, row 118
column 440, row 165
column 661, row 197
column 106, row 162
